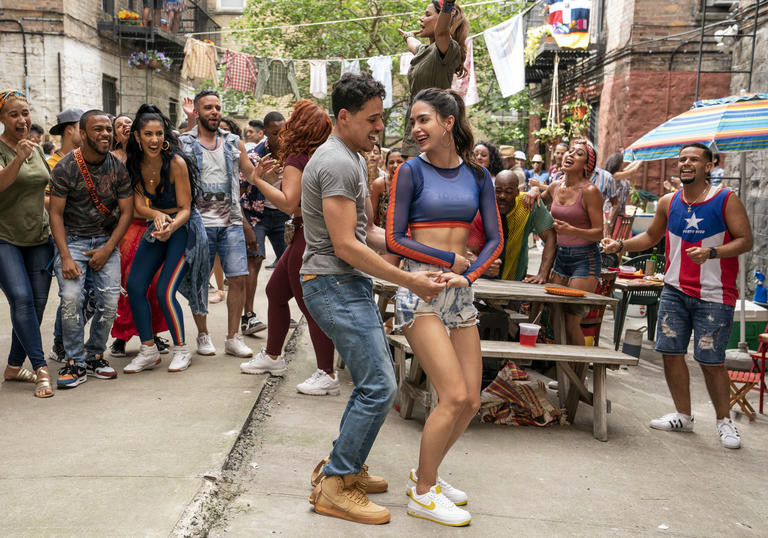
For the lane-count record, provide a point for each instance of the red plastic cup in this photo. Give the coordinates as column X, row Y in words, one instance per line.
column 529, row 332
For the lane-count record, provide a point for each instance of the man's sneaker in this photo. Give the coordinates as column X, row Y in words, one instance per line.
column 320, row 384
column 235, row 346
column 71, row 375
column 435, row 506
column 250, row 325
column 117, row 349
column 264, row 364
column 343, row 497
column 673, row 422
column 162, row 345
column 99, row 368
column 181, row 359
column 148, row 358
column 293, row 324
column 457, row 496
column 205, row 345
column 729, row 435
column 370, row 483
column 57, row 353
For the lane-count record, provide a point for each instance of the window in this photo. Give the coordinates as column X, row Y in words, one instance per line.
column 173, row 111
column 109, row 94
column 108, row 6
column 231, row 5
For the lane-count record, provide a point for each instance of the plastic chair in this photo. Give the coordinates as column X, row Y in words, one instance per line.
column 622, row 229
column 758, row 364
column 649, row 298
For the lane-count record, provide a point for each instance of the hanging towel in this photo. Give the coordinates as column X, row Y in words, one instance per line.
column 569, row 23
column 276, row 77
column 352, row 66
column 505, row 44
column 240, row 73
column 467, row 85
column 318, row 78
column 381, row 70
column 200, row 61
column 405, row 62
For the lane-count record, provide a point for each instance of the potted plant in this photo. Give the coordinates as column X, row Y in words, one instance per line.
column 154, row 59
column 550, row 135
column 128, row 17
column 576, row 117
column 533, row 38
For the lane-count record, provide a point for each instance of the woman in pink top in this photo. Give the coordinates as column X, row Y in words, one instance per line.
column 577, row 210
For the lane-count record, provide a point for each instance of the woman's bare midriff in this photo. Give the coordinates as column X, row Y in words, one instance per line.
column 448, row 239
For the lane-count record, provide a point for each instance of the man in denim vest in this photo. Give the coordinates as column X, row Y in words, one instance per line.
column 220, row 155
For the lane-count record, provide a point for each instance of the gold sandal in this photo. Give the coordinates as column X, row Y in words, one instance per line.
column 22, row 375
column 43, row 387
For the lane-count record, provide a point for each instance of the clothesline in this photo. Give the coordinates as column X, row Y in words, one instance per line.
column 333, row 59
column 323, row 23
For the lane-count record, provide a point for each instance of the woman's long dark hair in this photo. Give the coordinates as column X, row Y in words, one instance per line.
column 459, row 32
column 449, row 103
column 115, row 143
column 145, row 114
column 494, row 165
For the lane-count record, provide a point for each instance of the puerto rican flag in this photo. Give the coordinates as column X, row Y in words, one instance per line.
column 714, row 280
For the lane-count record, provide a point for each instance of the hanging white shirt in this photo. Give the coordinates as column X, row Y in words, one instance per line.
column 506, row 43
column 381, row 70
column 350, row 66
column 318, row 78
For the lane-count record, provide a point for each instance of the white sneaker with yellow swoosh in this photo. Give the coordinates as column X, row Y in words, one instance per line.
column 458, row 497
column 434, row 506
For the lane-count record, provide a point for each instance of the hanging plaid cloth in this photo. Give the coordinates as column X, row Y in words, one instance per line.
column 240, row 74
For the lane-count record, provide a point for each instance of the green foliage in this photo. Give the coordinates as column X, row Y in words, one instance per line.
column 372, row 37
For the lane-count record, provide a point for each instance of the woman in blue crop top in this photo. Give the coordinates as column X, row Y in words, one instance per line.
column 163, row 180
column 436, row 196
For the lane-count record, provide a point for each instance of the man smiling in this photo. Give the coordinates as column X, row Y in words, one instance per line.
column 91, row 208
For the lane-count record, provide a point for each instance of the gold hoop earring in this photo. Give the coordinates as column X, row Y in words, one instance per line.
column 166, row 146
column 445, row 132
column 139, row 143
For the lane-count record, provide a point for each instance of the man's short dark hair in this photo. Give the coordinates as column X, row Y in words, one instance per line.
column 87, row 114
column 48, row 147
column 707, row 151
column 351, row 92
column 272, row 117
column 183, row 125
column 35, row 128
column 256, row 124
column 206, row 93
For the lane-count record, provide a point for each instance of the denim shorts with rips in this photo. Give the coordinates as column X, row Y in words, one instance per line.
column 680, row 314
column 454, row 306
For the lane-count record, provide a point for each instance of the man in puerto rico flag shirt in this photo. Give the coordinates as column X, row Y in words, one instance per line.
column 706, row 228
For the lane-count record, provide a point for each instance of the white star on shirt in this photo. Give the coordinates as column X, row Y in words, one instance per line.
column 693, row 222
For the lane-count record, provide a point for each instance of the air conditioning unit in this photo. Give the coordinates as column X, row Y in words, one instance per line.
column 722, row 4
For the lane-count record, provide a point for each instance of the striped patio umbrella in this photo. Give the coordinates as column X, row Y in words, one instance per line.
column 734, row 123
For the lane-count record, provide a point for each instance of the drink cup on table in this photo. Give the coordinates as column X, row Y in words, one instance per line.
column 529, row 332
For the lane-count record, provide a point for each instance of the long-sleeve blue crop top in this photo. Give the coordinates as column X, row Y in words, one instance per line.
column 424, row 196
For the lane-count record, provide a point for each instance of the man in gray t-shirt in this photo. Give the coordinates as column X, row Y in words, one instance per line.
column 339, row 234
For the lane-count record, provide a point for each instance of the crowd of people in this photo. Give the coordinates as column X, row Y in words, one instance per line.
column 129, row 210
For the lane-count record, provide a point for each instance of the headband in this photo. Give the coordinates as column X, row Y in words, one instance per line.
column 6, row 95
column 589, row 166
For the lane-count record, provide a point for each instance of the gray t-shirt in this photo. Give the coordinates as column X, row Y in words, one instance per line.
column 333, row 170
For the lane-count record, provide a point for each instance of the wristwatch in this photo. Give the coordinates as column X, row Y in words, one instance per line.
column 712, row 253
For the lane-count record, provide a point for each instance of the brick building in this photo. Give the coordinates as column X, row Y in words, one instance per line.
column 74, row 53
column 640, row 69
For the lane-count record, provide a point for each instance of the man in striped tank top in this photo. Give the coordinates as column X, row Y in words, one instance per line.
column 706, row 228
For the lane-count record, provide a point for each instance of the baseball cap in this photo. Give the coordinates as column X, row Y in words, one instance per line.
column 64, row 118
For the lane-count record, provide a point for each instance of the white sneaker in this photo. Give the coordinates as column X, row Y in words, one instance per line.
column 235, row 346
column 435, row 506
column 181, row 359
column 673, row 422
column 205, row 345
column 729, row 435
column 148, row 358
column 264, row 364
column 320, row 384
column 455, row 495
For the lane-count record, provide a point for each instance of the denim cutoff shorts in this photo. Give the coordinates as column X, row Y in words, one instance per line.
column 229, row 243
column 454, row 306
column 578, row 262
column 679, row 314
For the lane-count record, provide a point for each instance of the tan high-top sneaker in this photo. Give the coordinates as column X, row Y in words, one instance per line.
column 343, row 497
column 373, row 484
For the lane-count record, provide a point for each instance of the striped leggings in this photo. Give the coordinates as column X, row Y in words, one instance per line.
column 147, row 261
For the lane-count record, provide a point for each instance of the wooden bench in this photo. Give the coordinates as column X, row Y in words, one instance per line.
column 572, row 363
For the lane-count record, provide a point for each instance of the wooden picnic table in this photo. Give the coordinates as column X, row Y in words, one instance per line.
column 629, row 288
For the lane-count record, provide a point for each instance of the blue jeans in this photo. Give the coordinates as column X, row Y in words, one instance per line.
column 680, row 314
column 229, row 243
column 272, row 225
column 25, row 282
column 106, row 292
column 578, row 262
column 343, row 307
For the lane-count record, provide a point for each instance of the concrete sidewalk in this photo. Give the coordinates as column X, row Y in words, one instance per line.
column 556, row 481
column 122, row 457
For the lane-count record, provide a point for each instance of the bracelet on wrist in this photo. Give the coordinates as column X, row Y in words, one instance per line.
column 447, row 6
column 621, row 245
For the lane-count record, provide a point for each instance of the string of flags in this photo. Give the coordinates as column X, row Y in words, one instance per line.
column 569, row 21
